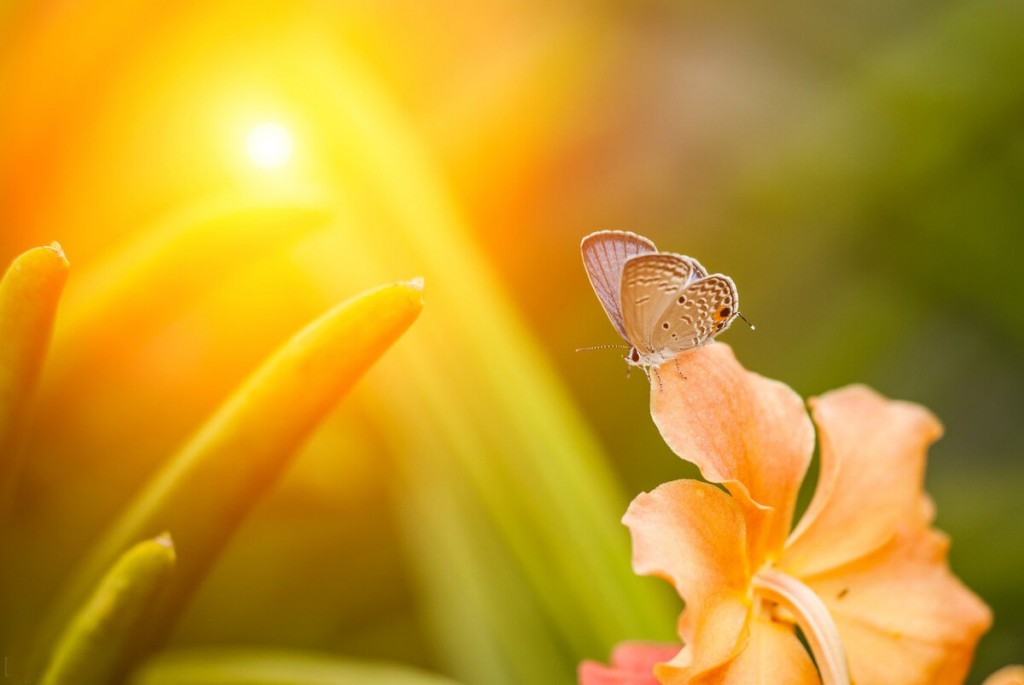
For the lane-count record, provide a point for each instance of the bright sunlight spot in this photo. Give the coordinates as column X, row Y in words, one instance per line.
column 269, row 145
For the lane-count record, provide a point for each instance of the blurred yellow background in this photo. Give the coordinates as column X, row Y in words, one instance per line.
column 855, row 167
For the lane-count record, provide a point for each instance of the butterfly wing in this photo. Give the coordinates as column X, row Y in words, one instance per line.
column 604, row 254
column 651, row 286
column 697, row 313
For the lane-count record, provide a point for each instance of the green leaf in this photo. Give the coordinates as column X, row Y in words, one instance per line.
column 206, row 490
column 29, row 294
column 92, row 647
column 252, row 667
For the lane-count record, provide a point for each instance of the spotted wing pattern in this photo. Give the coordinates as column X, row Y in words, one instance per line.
column 604, row 254
column 698, row 313
column 652, row 284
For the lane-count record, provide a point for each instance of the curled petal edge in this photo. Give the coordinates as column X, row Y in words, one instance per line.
column 747, row 432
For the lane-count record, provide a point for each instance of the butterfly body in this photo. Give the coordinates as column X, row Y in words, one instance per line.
column 661, row 303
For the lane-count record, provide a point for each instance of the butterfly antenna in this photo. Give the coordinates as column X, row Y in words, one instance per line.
column 752, row 327
column 601, row 347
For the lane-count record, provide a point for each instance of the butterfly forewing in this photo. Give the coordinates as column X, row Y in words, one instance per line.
column 604, row 255
column 651, row 285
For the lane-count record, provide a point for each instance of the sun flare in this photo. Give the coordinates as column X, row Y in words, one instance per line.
column 269, row 145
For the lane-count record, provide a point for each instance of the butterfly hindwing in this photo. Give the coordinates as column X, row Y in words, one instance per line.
column 651, row 284
column 699, row 312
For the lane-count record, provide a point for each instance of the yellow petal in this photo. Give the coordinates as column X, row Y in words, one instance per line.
column 872, row 469
column 29, row 294
column 903, row 617
column 1008, row 675
column 741, row 429
column 692, row 534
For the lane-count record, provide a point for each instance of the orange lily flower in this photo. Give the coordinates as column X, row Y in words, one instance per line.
column 863, row 575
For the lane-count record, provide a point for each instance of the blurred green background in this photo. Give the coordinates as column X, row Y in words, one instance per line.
column 856, row 167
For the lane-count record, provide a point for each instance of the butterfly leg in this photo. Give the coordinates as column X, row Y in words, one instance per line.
column 681, row 375
column 657, row 376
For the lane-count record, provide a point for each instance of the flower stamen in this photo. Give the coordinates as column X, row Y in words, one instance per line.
column 813, row 618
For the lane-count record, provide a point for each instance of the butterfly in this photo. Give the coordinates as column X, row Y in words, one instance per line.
column 660, row 303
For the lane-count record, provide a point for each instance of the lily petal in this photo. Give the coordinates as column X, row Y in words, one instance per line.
column 632, row 664
column 692, row 534
column 872, row 470
column 713, row 638
column 642, row 656
column 772, row 655
column 902, row 615
column 750, row 433
column 1008, row 675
